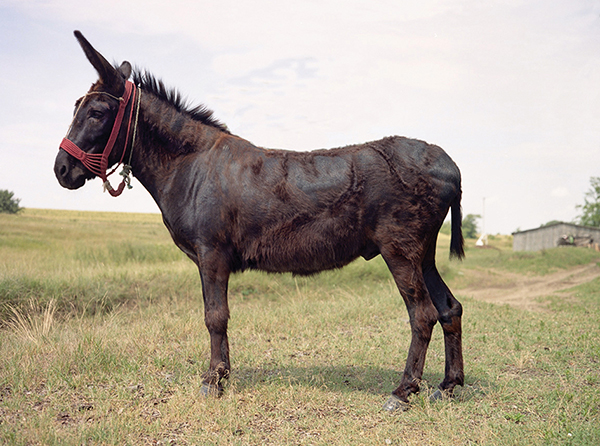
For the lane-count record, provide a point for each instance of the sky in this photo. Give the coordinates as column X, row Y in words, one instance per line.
column 509, row 89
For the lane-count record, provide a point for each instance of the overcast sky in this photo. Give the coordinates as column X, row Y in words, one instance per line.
column 510, row 89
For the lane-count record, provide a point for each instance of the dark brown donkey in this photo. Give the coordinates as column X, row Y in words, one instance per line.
column 231, row 206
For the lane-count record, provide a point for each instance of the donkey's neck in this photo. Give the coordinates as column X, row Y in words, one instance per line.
column 167, row 138
column 171, row 131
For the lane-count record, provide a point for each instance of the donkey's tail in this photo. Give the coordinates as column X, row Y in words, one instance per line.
column 457, row 242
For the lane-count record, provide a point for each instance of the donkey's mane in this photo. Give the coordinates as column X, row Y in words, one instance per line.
column 200, row 113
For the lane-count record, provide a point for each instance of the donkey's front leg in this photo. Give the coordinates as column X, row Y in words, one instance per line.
column 214, row 273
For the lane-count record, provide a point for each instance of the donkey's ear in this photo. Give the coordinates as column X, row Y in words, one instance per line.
column 125, row 70
column 108, row 74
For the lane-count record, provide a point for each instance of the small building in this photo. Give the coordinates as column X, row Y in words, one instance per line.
column 556, row 234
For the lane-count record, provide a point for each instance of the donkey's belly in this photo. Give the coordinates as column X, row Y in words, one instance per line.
column 309, row 249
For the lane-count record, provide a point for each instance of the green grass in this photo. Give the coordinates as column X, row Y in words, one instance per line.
column 103, row 342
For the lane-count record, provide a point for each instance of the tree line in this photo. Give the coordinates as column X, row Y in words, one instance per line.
column 589, row 213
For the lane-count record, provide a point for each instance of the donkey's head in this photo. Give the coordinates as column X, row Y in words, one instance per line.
column 96, row 113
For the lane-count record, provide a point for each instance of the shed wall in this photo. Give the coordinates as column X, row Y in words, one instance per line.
column 548, row 236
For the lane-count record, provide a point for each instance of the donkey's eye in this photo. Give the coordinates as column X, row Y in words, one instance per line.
column 96, row 114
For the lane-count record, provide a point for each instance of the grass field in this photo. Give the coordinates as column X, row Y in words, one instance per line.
column 102, row 341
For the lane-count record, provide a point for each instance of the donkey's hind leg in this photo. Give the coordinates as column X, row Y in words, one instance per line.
column 422, row 315
column 449, row 315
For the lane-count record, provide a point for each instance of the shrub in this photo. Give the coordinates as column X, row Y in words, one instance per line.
column 8, row 203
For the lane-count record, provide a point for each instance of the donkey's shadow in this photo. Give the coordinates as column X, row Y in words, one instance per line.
column 342, row 379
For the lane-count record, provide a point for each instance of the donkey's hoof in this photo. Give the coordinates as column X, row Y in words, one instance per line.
column 394, row 404
column 211, row 390
column 439, row 395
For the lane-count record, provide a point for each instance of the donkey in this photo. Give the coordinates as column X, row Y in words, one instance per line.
column 231, row 206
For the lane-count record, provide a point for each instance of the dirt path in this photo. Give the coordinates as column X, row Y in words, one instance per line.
column 522, row 291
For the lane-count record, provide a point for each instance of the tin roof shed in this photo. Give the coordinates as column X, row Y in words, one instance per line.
column 554, row 235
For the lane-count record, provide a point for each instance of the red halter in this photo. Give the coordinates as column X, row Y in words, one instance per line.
column 97, row 163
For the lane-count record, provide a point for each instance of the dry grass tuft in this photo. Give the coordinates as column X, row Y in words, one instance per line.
column 32, row 323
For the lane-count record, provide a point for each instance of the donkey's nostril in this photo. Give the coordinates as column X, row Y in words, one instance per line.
column 63, row 170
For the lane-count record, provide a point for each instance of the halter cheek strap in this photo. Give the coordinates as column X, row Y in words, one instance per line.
column 97, row 163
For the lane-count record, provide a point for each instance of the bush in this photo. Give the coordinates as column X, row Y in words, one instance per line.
column 469, row 226
column 8, row 203
column 590, row 215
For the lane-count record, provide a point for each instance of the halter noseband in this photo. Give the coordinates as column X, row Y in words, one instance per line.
column 97, row 163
